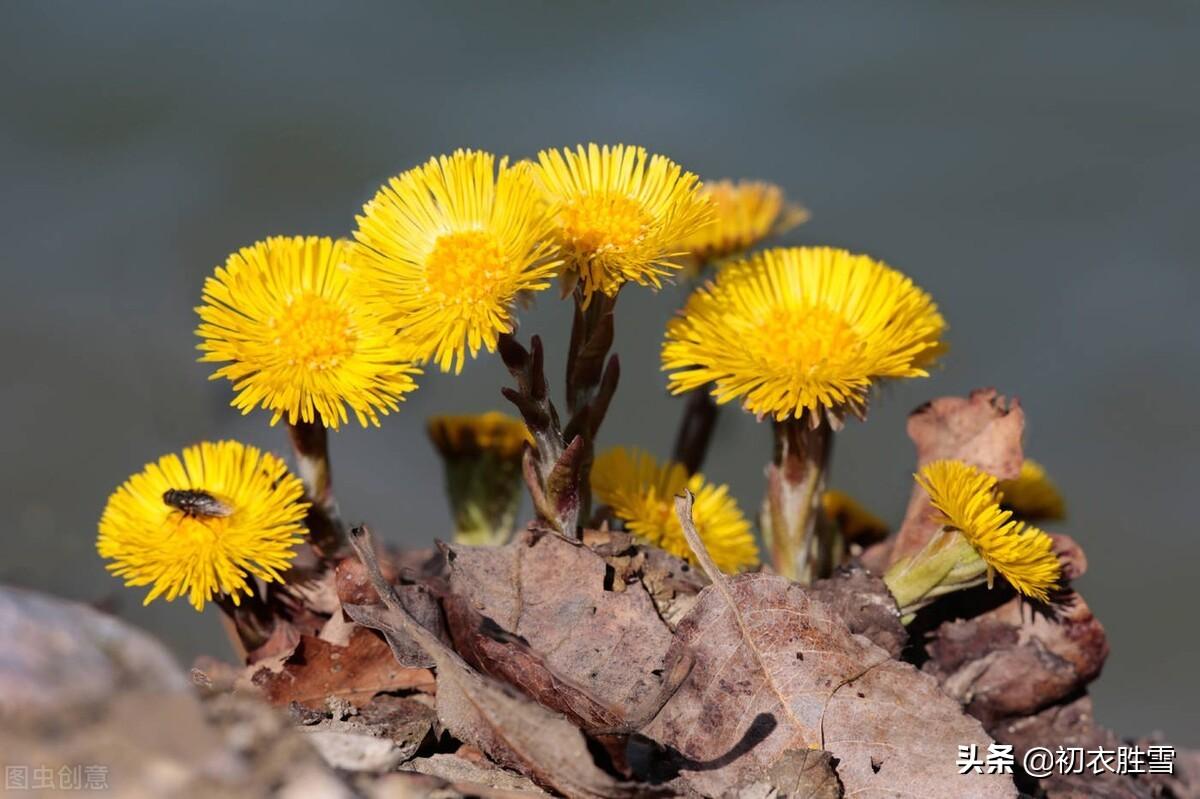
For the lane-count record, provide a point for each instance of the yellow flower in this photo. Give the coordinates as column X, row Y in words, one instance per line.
column 803, row 329
column 857, row 524
column 493, row 432
column 481, row 456
column 446, row 248
column 204, row 524
column 1032, row 495
column 279, row 314
column 642, row 494
column 966, row 501
column 746, row 213
column 619, row 213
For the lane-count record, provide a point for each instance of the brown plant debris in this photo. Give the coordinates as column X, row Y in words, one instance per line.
column 318, row 670
column 864, row 604
column 1015, row 659
column 776, row 671
column 562, row 600
column 512, row 730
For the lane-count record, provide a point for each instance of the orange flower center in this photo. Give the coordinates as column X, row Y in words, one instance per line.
column 314, row 332
column 465, row 268
column 803, row 339
column 596, row 222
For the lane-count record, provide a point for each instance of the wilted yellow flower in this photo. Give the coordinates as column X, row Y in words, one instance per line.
column 966, row 501
column 619, row 213
column 746, row 213
column 642, row 493
column 446, row 248
column 1032, row 495
column 481, row 456
column 856, row 523
column 204, row 524
column 802, row 330
column 279, row 315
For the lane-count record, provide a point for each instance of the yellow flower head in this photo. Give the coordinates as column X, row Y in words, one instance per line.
column 446, row 248
column 856, row 523
column 642, row 494
column 802, row 330
column 279, row 315
column 966, row 501
column 619, row 213
column 492, row 432
column 204, row 524
column 746, row 213
column 1032, row 495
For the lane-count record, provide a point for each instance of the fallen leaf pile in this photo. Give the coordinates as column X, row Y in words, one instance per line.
column 600, row 667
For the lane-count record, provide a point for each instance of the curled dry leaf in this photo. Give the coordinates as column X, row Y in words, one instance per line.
column 562, row 600
column 776, row 671
column 318, row 670
column 983, row 429
column 512, row 730
column 472, row 778
column 354, row 588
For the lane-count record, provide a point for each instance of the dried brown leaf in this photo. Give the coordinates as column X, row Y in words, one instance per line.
column 865, row 605
column 672, row 583
column 475, row 779
column 1014, row 659
column 562, row 600
column 983, row 429
column 318, row 670
column 802, row 774
column 777, row 671
column 354, row 588
column 514, row 731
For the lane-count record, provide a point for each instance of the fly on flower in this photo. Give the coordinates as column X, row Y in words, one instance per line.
column 195, row 503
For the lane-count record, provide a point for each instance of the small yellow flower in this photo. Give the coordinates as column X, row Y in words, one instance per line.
column 204, row 524
column 746, row 213
column 642, row 493
column 802, row 330
column 857, row 524
column 447, row 248
column 1032, row 495
column 619, row 213
column 966, row 501
column 279, row 314
column 481, row 456
column 494, row 432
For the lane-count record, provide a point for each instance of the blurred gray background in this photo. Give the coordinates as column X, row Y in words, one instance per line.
column 1034, row 166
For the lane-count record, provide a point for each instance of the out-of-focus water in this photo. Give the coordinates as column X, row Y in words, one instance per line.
column 1034, row 166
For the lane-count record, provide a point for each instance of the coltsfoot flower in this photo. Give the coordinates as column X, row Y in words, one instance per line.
column 802, row 330
column 745, row 213
column 641, row 492
column 447, row 248
column 280, row 316
column 1032, row 495
column 619, row 213
column 482, row 457
column 978, row 540
column 856, row 523
column 204, row 524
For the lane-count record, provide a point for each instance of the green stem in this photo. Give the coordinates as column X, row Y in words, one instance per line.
column 947, row 563
column 801, row 545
